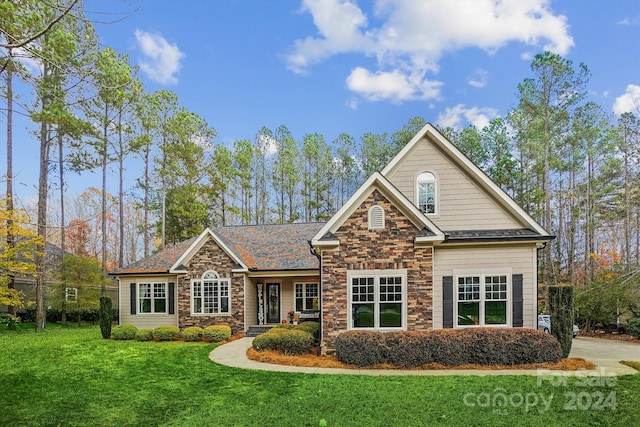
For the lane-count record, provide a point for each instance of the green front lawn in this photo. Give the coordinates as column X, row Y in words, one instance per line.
column 72, row 377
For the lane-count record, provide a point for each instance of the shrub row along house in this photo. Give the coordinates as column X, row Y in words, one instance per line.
column 430, row 242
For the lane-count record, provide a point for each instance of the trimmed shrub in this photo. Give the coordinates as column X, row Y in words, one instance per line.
column 217, row 333
column 285, row 326
column 192, row 333
column 634, row 326
column 449, row 347
column 106, row 317
column 312, row 327
column 561, row 310
column 144, row 335
column 123, row 332
column 285, row 341
column 166, row 333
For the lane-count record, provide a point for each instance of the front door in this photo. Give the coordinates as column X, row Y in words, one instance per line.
column 273, row 302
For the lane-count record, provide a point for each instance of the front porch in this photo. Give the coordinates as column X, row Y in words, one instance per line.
column 280, row 299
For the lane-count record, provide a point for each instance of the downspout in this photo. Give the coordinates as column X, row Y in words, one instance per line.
column 319, row 256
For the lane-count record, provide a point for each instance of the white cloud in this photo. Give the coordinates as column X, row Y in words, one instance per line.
column 161, row 60
column 478, row 79
column 413, row 35
column 628, row 102
column 269, row 144
column 459, row 116
column 394, row 86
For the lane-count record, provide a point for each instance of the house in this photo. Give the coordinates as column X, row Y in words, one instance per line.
column 26, row 283
column 429, row 242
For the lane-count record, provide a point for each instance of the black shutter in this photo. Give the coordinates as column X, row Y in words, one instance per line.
column 172, row 298
column 447, row 302
column 132, row 298
column 516, row 284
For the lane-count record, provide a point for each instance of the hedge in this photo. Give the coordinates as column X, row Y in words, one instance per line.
column 634, row 326
column 284, row 340
column 217, row 333
column 192, row 333
column 123, row 332
column 144, row 335
column 449, row 347
column 166, row 333
column 309, row 326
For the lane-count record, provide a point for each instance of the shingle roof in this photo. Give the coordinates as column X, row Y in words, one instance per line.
column 272, row 247
column 160, row 262
column 518, row 234
column 260, row 247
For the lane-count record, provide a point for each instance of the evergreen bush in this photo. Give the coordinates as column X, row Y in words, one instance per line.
column 285, row 341
column 309, row 326
column 144, row 335
column 561, row 310
column 192, row 333
column 166, row 333
column 634, row 326
column 449, row 347
column 106, row 317
column 217, row 333
column 123, row 332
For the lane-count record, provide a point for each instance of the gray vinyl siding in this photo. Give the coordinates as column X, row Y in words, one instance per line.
column 461, row 203
column 514, row 259
column 144, row 320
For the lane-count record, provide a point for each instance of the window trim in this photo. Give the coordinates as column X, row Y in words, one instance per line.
column 353, row 274
column 71, row 298
column 152, row 298
column 436, row 198
column 482, row 301
column 304, row 295
column 206, row 276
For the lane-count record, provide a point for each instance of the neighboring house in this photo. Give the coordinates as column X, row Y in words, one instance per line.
column 26, row 283
column 430, row 242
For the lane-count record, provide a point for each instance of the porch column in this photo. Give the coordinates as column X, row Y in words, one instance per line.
column 260, row 305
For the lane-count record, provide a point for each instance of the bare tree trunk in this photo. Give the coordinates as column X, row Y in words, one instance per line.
column 62, row 231
column 104, row 196
column 41, row 314
column 10, row 236
column 121, row 194
column 145, row 226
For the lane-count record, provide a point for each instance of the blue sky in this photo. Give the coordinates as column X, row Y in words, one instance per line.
column 335, row 66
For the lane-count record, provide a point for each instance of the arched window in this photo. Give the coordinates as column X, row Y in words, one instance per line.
column 426, row 191
column 376, row 217
column 210, row 295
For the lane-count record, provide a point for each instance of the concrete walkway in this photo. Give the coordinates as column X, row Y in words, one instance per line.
column 605, row 354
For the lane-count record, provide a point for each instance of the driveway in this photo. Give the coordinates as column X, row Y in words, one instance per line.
column 605, row 354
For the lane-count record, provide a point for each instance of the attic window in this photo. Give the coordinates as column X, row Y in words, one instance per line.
column 376, row 217
column 426, row 191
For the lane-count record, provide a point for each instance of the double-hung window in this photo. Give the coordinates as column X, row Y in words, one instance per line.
column 482, row 300
column 377, row 299
column 210, row 294
column 306, row 296
column 153, row 297
column 71, row 294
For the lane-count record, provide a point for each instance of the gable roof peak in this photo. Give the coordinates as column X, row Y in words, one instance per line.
column 430, row 134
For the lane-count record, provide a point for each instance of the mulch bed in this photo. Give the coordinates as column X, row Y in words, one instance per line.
column 313, row 361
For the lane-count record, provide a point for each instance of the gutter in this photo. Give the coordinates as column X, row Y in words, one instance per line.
column 320, row 319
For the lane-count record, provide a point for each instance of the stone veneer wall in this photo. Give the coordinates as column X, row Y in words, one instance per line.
column 211, row 257
column 364, row 249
